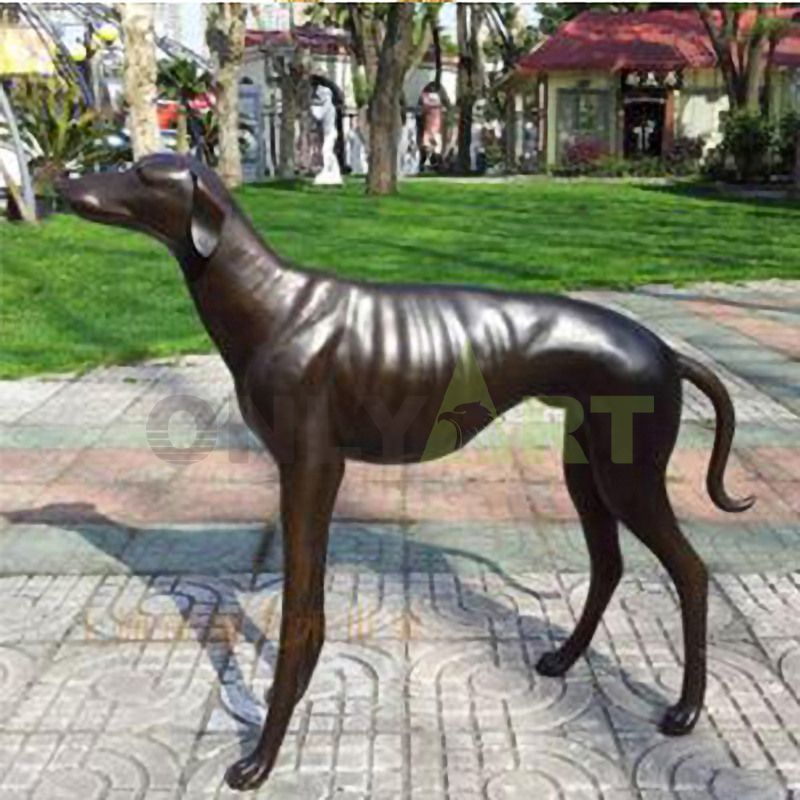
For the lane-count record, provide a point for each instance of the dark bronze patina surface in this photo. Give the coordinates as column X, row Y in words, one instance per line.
column 327, row 370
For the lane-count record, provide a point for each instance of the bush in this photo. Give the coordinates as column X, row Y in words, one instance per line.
column 583, row 152
column 684, row 156
column 718, row 167
column 588, row 157
column 748, row 139
column 60, row 134
column 618, row 167
column 786, row 134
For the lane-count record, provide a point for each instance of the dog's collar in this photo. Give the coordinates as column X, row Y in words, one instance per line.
column 193, row 267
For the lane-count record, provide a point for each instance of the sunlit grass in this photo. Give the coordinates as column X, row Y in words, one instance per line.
column 75, row 294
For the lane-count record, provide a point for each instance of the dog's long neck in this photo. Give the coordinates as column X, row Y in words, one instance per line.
column 243, row 293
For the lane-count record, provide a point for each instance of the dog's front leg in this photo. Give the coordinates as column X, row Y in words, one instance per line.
column 308, row 492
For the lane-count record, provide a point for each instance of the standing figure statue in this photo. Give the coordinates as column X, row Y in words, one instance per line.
column 477, row 147
column 407, row 149
column 324, row 111
column 356, row 149
column 432, row 140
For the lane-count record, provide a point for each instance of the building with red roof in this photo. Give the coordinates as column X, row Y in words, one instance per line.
column 632, row 82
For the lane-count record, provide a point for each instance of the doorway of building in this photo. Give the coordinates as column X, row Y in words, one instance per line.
column 643, row 133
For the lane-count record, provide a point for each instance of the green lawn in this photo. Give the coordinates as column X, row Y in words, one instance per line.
column 75, row 294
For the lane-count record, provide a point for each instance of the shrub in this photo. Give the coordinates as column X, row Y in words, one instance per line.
column 584, row 151
column 618, row 167
column 788, row 129
column 717, row 166
column 684, row 156
column 60, row 134
column 747, row 138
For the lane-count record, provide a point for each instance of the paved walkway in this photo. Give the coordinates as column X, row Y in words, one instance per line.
column 140, row 599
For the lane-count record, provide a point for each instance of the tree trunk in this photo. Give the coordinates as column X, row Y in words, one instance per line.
column 140, row 76
column 384, row 107
column 754, row 74
column 477, row 76
column 437, row 54
column 464, row 98
column 288, row 122
column 769, row 66
column 182, row 132
column 293, row 75
column 225, row 34
column 511, row 131
column 469, row 81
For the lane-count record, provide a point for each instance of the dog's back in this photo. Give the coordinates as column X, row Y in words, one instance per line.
column 408, row 345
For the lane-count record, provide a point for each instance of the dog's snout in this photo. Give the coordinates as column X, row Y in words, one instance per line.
column 96, row 197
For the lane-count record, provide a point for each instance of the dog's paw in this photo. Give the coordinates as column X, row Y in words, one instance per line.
column 247, row 773
column 679, row 720
column 553, row 664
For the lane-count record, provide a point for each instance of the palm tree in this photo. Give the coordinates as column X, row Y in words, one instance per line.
column 140, row 76
column 225, row 33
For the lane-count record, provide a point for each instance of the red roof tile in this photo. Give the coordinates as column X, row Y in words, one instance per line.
column 661, row 39
column 309, row 36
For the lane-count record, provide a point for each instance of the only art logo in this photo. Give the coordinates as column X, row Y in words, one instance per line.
column 466, row 409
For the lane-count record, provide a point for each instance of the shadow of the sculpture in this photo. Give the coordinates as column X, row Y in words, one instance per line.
column 102, row 531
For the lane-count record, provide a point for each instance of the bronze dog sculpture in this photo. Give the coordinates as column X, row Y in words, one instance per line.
column 327, row 370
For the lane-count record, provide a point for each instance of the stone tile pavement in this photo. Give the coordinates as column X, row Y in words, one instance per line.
column 141, row 598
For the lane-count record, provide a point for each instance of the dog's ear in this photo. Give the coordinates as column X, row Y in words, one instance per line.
column 208, row 214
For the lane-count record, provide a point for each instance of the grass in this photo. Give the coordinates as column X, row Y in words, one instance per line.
column 74, row 294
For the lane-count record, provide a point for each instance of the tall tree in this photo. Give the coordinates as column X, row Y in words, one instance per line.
column 140, row 76
column 470, row 78
column 553, row 15
column 743, row 51
column 225, row 35
column 293, row 76
column 394, row 58
column 510, row 39
column 385, row 44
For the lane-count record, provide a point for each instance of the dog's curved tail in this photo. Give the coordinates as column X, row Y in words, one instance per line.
column 711, row 386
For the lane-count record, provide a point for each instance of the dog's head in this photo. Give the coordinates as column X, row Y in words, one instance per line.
column 173, row 198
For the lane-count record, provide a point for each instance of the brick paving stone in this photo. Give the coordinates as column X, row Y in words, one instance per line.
column 18, row 398
column 39, row 466
column 456, row 682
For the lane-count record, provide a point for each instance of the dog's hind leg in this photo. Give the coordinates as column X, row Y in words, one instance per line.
column 649, row 515
column 636, row 494
column 602, row 539
column 308, row 493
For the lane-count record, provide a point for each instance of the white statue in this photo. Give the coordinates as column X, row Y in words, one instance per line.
column 407, row 148
column 324, row 111
column 356, row 150
column 477, row 147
